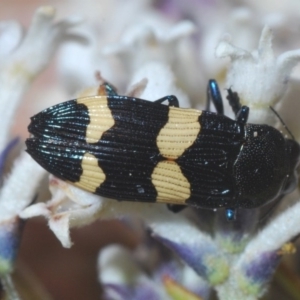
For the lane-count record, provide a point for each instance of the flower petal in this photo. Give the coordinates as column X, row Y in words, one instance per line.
column 20, row 187
column 18, row 71
column 259, row 77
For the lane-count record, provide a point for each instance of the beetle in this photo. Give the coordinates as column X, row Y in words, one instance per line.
column 132, row 149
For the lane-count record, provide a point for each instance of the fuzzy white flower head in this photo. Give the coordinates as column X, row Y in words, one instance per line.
column 18, row 68
column 144, row 42
column 62, row 212
column 258, row 77
column 20, row 187
column 17, row 72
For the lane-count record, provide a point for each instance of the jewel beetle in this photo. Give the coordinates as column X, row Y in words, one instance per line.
column 132, row 149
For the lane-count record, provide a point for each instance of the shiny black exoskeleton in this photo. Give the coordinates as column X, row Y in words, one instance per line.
column 221, row 163
column 265, row 168
column 261, row 162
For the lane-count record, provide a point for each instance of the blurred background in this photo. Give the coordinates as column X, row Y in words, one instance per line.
column 72, row 273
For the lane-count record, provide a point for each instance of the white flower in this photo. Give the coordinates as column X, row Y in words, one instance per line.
column 21, row 60
column 68, row 207
column 157, row 58
column 258, row 77
column 24, row 59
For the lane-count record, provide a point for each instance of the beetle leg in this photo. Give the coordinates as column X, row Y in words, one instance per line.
column 175, row 208
column 213, row 94
column 106, row 89
column 234, row 101
column 173, row 101
column 242, row 115
column 230, row 214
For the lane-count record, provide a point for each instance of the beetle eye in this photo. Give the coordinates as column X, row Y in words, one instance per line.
column 290, row 184
column 295, row 155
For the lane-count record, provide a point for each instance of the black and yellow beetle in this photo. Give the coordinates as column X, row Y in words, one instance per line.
column 131, row 149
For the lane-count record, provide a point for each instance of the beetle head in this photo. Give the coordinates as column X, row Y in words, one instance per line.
column 265, row 169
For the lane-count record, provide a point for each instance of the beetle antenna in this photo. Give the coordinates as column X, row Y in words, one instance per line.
column 282, row 122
